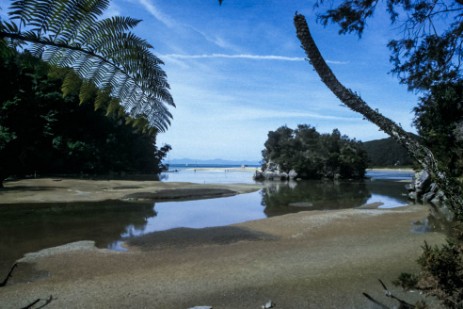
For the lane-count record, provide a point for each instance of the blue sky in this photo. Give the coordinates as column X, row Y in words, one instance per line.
column 237, row 71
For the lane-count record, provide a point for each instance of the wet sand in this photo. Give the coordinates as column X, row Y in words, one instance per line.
column 49, row 190
column 311, row 259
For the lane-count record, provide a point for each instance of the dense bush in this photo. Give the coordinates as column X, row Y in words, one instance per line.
column 439, row 122
column 441, row 274
column 42, row 131
column 313, row 155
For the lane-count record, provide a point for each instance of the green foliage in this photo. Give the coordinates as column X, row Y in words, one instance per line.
column 42, row 131
column 103, row 52
column 386, row 153
column 6, row 136
column 442, row 273
column 313, row 155
column 406, row 281
column 430, row 50
column 438, row 119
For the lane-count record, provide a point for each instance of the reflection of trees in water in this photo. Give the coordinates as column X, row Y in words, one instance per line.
column 32, row 227
column 388, row 188
column 279, row 197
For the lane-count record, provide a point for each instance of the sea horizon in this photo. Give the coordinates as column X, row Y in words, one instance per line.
column 217, row 162
column 208, row 165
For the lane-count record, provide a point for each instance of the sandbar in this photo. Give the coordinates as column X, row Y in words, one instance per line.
column 310, row 259
column 62, row 190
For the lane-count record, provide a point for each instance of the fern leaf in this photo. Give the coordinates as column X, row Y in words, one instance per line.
column 87, row 92
column 69, row 33
column 103, row 98
column 112, row 108
column 71, row 83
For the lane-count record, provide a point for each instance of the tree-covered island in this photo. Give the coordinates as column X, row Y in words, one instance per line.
column 311, row 155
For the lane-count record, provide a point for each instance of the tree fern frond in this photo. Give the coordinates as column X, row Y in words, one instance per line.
column 97, row 75
column 101, row 75
column 58, row 57
column 111, row 25
column 37, row 50
column 123, row 79
column 57, row 73
column 110, row 76
column 87, row 91
column 140, row 124
column 61, row 15
column 122, row 113
column 86, row 67
column 103, row 98
column 40, row 18
column 69, row 33
column 22, row 10
column 159, row 113
column 10, row 27
column 137, row 98
column 51, row 54
column 104, row 35
column 71, row 83
column 84, row 15
column 113, row 107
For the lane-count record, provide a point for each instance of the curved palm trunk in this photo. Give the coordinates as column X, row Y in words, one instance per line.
column 420, row 153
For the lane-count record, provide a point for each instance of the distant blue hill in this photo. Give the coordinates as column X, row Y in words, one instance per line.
column 210, row 162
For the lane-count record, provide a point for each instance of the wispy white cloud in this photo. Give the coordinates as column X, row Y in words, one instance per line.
column 337, row 62
column 244, row 113
column 156, row 13
column 170, row 22
column 243, row 56
column 236, row 56
column 216, row 40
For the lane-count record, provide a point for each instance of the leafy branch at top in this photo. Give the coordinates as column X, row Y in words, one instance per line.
column 102, row 51
column 431, row 48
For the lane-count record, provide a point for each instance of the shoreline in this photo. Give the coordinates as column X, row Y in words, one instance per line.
column 391, row 169
column 67, row 190
column 309, row 259
column 62, row 190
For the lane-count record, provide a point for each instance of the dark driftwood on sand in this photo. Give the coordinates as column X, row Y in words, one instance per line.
column 9, row 275
column 402, row 304
column 47, row 301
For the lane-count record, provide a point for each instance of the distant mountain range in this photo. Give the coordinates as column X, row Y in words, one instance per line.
column 210, row 162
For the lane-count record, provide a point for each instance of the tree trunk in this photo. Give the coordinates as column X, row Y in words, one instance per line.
column 421, row 154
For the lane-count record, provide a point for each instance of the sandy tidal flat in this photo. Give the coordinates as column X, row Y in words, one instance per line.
column 49, row 190
column 311, row 259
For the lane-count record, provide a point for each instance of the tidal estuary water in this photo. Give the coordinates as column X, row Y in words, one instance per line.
column 32, row 227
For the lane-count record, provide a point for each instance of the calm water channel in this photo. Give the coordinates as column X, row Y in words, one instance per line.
column 27, row 228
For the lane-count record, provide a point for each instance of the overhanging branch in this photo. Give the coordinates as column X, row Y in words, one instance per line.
column 421, row 154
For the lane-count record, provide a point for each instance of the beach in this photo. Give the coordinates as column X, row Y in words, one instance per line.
column 62, row 190
column 310, row 259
